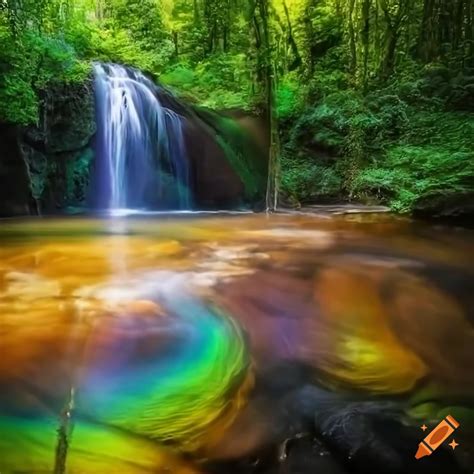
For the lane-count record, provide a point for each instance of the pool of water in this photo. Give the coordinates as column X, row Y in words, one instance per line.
column 147, row 344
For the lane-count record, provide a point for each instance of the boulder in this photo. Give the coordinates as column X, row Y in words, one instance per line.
column 453, row 207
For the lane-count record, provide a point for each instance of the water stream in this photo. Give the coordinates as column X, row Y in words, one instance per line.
column 192, row 341
column 141, row 158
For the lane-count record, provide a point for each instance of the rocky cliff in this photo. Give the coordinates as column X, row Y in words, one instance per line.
column 45, row 168
column 58, row 152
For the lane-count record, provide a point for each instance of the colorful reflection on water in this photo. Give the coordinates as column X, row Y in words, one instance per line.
column 134, row 345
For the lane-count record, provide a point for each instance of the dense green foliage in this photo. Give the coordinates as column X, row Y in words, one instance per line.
column 366, row 99
column 385, row 113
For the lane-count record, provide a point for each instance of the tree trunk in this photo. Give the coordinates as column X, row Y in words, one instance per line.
column 211, row 39
column 352, row 39
column 388, row 62
column 196, row 15
column 225, row 39
column 445, row 25
column 378, row 35
column 176, row 43
column 469, row 34
column 427, row 43
column 392, row 33
column 291, row 40
column 365, row 39
column 309, row 35
column 270, row 102
column 458, row 26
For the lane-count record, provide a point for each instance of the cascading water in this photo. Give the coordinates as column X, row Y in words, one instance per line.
column 141, row 154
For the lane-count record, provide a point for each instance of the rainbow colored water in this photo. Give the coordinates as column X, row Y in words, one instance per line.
column 142, row 342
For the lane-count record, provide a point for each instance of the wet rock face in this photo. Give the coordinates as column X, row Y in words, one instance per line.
column 49, row 167
column 46, row 167
column 15, row 195
column 215, row 184
column 58, row 151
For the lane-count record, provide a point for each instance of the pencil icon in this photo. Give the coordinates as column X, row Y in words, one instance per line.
column 436, row 437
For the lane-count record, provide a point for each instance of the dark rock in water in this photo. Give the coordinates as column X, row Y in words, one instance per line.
column 302, row 454
column 454, row 207
column 315, row 430
column 309, row 399
column 275, row 432
column 306, row 455
column 288, row 377
column 369, row 439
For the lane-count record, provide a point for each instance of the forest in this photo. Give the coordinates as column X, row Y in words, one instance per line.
column 365, row 100
column 237, row 236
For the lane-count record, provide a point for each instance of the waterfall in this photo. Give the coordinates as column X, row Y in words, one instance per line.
column 141, row 160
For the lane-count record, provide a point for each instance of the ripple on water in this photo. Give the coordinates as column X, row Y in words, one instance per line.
column 160, row 327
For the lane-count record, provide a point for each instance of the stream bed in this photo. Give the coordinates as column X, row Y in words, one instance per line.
column 242, row 343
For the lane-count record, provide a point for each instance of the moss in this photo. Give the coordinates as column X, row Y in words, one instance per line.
column 78, row 177
column 241, row 151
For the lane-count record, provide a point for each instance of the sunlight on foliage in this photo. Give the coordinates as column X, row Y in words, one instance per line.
column 371, row 100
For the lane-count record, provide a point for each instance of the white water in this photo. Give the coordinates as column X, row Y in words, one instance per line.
column 141, row 154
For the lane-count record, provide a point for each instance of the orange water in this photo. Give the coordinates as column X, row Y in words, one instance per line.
column 373, row 304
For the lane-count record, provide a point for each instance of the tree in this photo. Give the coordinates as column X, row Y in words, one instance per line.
column 395, row 14
column 266, row 81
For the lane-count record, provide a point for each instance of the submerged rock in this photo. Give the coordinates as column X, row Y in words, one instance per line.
column 307, row 455
column 370, row 439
